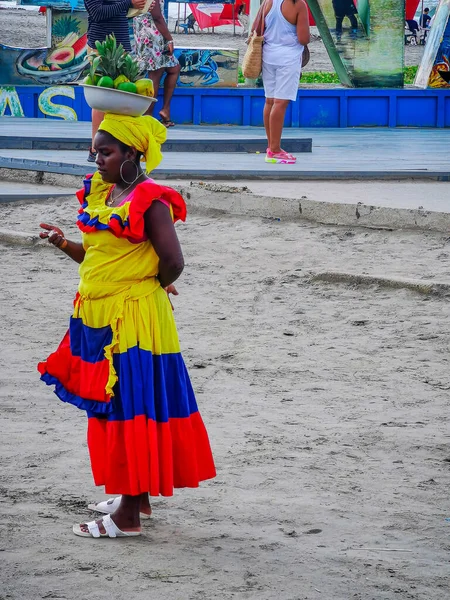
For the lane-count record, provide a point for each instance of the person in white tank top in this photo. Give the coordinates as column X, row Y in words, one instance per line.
column 286, row 32
column 281, row 44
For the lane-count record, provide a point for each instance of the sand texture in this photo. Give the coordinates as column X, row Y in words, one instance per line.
column 326, row 405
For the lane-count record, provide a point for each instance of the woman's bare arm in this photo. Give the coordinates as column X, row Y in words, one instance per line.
column 55, row 236
column 160, row 21
column 303, row 35
column 162, row 235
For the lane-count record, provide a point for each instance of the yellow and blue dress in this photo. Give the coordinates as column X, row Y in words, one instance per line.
column 120, row 359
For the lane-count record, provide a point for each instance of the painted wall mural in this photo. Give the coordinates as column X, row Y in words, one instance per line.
column 66, row 59
column 208, row 67
column 364, row 39
column 434, row 71
column 11, row 105
column 63, row 62
column 204, row 67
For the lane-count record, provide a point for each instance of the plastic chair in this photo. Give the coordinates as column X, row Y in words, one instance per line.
column 187, row 25
column 411, row 31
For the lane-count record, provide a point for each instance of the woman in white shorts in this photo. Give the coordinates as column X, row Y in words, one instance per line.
column 286, row 32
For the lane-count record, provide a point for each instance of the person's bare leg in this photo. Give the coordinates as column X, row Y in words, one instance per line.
column 266, row 115
column 276, row 122
column 169, row 86
column 145, row 507
column 126, row 517
column 155, row 76
column 97, row 118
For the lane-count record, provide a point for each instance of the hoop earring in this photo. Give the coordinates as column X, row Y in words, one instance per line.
column 121, row 175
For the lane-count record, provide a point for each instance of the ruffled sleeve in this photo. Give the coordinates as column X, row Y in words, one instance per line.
column 85, row 190
column 127, row 219
column 143, row 197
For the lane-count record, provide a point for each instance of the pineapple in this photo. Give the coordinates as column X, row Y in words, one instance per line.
column 111, row 57
column 113, row 67
column 92, row 78
column 63, row 28
column 130, row 68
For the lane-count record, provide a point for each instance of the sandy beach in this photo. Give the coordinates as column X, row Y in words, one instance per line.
column 326, row 405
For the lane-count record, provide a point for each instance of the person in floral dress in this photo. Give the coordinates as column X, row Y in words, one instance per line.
column 153, row 47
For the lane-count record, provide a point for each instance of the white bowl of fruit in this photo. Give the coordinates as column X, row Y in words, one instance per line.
column 113, row 84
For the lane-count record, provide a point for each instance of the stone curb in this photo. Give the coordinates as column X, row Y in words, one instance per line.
column 241, row 201
column 432, row 288
column 18, row 238
column 238, row 200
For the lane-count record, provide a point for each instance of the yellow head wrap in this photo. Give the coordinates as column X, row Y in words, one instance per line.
column 146, row 134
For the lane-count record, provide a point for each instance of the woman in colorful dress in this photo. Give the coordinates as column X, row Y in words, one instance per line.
column 120, row 360
column 153, row 47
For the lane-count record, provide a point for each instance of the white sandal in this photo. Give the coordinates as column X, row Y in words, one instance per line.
column 109, row 506
column 111, row 529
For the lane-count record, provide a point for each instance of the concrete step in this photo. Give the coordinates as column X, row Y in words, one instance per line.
column 343, row 154
column 198, row 145
column 47, row 134
column 229, row 166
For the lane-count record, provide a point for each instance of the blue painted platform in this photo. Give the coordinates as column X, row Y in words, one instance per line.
column 318, row 107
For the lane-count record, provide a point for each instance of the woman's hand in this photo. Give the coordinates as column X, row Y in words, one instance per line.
column 139, row 4
column 171, row 289
column 54, row 235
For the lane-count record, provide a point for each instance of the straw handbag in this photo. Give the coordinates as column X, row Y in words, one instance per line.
column 252, row 63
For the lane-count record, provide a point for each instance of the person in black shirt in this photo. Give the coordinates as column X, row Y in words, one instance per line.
column 104, row 18
column 425, row 18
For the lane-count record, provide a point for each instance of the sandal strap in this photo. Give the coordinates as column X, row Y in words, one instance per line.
column 93, row 529
column 113, row 501
column 110, row 527
column 283, row 154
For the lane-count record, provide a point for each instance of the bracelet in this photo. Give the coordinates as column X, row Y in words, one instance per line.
column 64, row 244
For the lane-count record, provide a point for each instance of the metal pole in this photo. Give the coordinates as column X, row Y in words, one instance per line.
column 254, row 7
column 234, row 18
column 49, row 25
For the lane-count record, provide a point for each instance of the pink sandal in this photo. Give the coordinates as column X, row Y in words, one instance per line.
column 280, row 158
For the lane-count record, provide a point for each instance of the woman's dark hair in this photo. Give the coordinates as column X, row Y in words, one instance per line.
column 125, row 148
